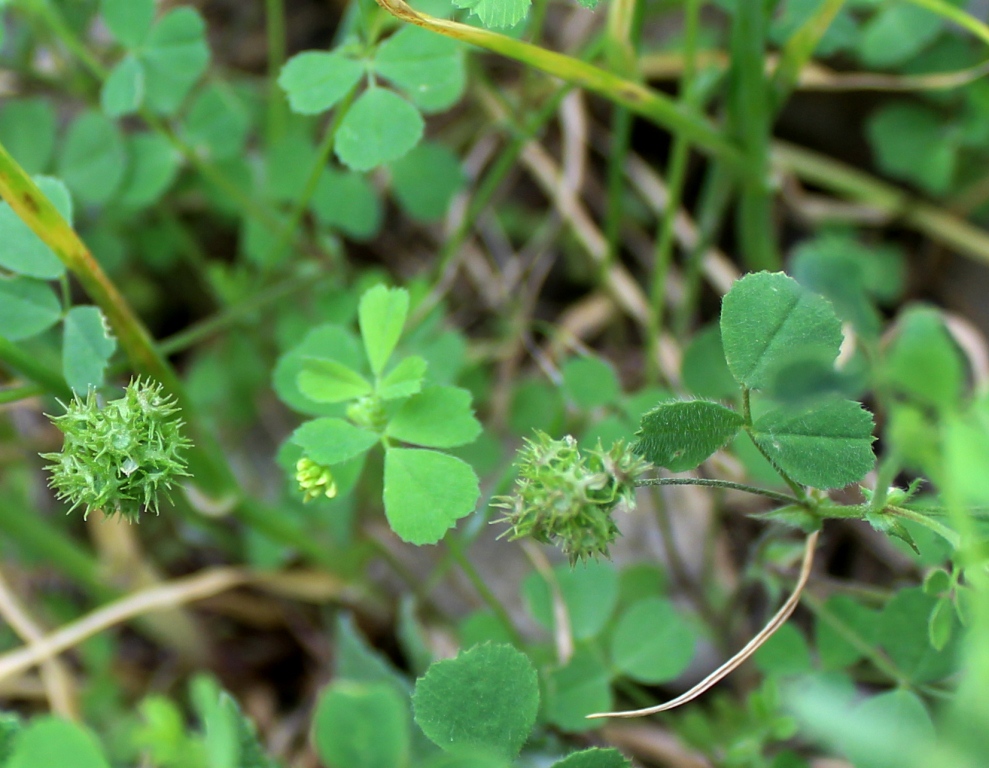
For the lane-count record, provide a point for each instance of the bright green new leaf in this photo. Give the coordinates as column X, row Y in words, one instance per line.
column 425, row 180
column 330, row 441
column 766, row 319
column 381, row 316
column 23, row 252
column 578, row 689
column 895, row 131
column 315, row 80
column 591, row 382
column 404, row 379
column 437, row 417
column 941, row 624
column 123, row 90
column 652, row 642
column 175, row 55
column 589, row 592
column 152, row 168
column 49, row 742
column 704, row 370
column 594, row 758
column 828, row 446
column 380, row 127
column 897, row 33
column 889, row 730
column 93, row 159
column 86, row 348
column 966, row 452
column 221, row 741
column 347, row 202
column 923, row 362
column 361, row 725
column 426, row 492
column 128, row 20
column 484, row 699
column 333, row 342
column 680, row 435
column 217, row 122
column 497, row 13
column 27, row 307
column 427, row 66
column 27, row 130
column 327, row 381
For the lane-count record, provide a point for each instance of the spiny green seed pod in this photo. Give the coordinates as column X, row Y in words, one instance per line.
column 314, row 480
column 564, row 496
column 120, row 457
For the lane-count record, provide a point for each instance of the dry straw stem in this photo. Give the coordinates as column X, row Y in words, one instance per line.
column 742, row 656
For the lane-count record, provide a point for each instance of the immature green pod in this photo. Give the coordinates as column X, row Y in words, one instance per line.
column 314, row 480
column 120, row 457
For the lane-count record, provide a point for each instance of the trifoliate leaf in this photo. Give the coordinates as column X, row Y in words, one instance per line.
column 380, row 127
column 347, row 202
column 485, row 699
column 86, row 348
column 129, row 21
column 680, row 435
column 152, row 167
column 174, row 56
column 93, row 159
column 652, row 642
column 497, row 13
column 766, row 319
column 828, row 446
column 331, row 441
column 27, row 130
column 437, row 417
column 426, row 492
column 361, row 725
column 425, row 180
column 381, row 316
column 427, row 66
column 49, row 742
column 27, row 307
column 327, row 381
column 23, row 252
column 123, row 90
column 314, row 80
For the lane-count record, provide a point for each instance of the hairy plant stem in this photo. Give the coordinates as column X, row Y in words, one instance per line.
column 728, row 484
column 940, row 529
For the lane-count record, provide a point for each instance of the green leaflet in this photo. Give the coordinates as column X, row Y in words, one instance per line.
column 361, row 725
column 594, row 758
column 93, row 159
column 381, row 315
column 437, row 417
column 86, row 348
column 27, row 307
column 50, row 742
column 381, row 126
column 331, row 441
column 314, row 81
column 486, row 700
column 652, row 642
column 428, row 67
column 327, row 381
column 680, row 435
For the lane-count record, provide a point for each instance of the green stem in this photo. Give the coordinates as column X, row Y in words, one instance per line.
column 275, row 27
column 799, row 49
column 711, row 483
column 17, row 394
column 489, row 597
column 799, row 491
column 31, row 367
column 933, row 525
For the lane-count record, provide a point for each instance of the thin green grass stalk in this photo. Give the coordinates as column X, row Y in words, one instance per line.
column 675, row 178
column 29, row 366
column 274, row 12
column 748, row 100
column 957, row 15
column 483, row 590
column 641, row 100
column 799, row 49
column 18, row 394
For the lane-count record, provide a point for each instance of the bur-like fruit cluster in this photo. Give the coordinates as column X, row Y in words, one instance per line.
column 566, row 496
column 119, row 458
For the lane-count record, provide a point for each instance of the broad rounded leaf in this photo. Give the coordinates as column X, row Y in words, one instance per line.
column 578, row 689
column 680, row 435
column 324, row 341
column 174, row 56
column 426, row 492
column 128, row 20
column 86, row 348
column 315, row 80
column 361, row 725
column 381, row 316
column 153, row 167
column 888, row 731
column 923, row 361
column 828, row 446
column 897, row 128
column 594, row 758
column 330, row 441
column 427, row 66
column 23, row 252
column 903, row 634
column 589, row 592
column 897, row 33
column 766, row 318
column 437, row 417
column 327, row 381
column 217, row 122
column 591, row 382
column 485, row 698
column 425, row 180
column 49, row 742
column 347, row 202
column 123, row 90
column 652, row 642
column 380, row 127
column 27, row 307
column 93, row 159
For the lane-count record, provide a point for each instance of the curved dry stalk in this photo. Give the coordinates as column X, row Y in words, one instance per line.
column 174, row 593
column 562, row 633
column 742, row 656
